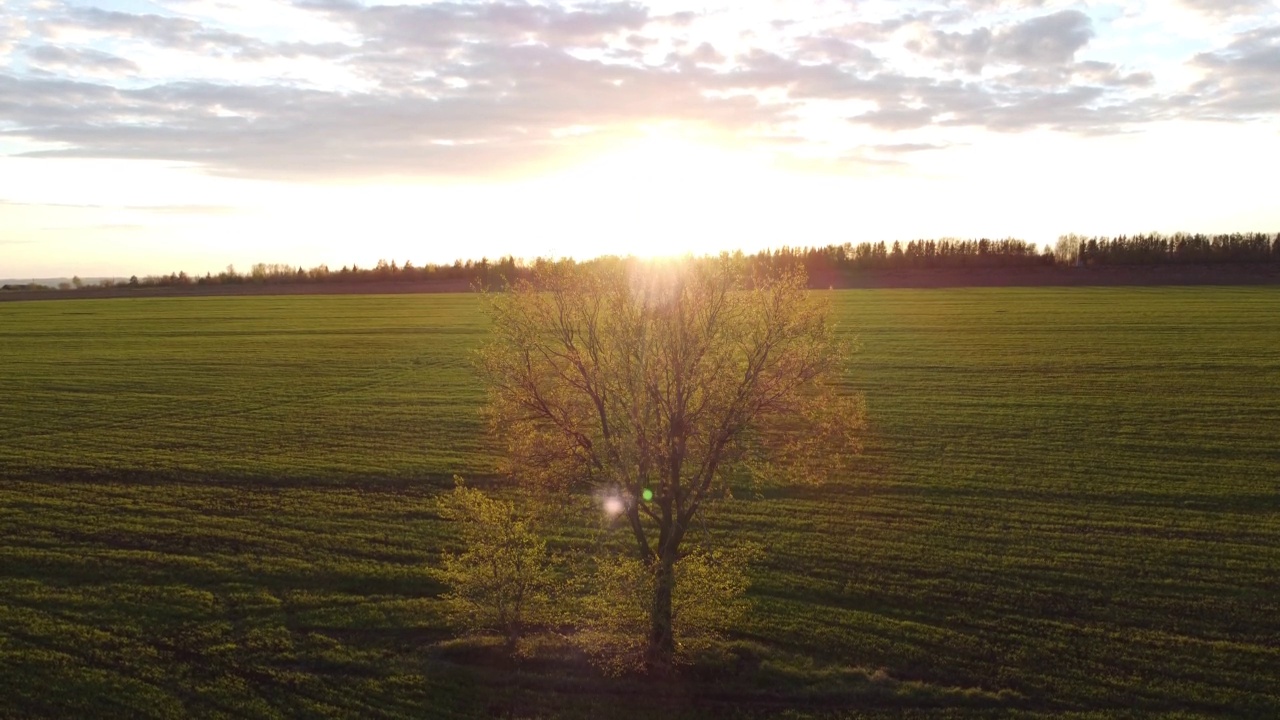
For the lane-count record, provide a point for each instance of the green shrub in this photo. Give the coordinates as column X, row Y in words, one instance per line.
column 501, row 581
column 613, row 619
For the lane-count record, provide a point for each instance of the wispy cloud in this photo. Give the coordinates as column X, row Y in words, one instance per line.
column 54, row 58
column 1227, row 8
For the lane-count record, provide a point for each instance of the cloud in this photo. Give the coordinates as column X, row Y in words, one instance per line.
column 1013, row 102
column 891, row 117
column 1226, row 8
column 446, row 24
column 471, row 89
column 1001, row 4
column 12, row 29
column 706, row 54
column 1110, row 75
column 51, row 57
column 458, row 88
column 969, row 50
column 1046, row 40
column 1043, row 41
column 1075, row 108
column 901, row 148
column 683, row 18
column 835, row 51
column 506, row 116
column 184, row 34
column 1241, row 78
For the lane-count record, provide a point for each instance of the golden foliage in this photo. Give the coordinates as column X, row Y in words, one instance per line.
column 501, row 579
column 657, row 382
column 614, row 614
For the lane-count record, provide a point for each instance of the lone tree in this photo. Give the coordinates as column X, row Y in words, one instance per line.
column 653, row 384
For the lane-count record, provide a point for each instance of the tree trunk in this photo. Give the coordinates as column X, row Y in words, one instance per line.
column 662, row 643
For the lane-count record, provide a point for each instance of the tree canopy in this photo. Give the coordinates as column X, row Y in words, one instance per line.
column 654, row 384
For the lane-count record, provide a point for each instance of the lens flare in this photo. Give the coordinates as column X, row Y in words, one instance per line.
column 614, row 505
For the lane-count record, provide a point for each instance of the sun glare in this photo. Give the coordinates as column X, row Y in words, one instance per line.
column 663, row 195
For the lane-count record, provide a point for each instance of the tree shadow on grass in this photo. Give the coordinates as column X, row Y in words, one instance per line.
column 547, row 676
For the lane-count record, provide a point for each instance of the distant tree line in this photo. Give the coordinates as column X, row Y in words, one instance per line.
column 1176, row 249
column 825, row 265
column 484, row 271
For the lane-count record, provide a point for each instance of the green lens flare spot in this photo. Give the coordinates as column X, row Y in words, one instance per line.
column 647, row 494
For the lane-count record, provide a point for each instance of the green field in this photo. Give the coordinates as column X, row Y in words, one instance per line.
column 1069, row 503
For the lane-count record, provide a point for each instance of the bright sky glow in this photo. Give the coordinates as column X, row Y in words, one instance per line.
column 149, row 136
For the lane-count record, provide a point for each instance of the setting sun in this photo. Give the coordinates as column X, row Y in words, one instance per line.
column 663, row 194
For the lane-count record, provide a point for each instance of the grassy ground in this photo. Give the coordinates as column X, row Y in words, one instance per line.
column 353, row 388
column 1070, row 503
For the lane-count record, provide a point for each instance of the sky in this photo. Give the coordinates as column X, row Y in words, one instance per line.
column 151, row 136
